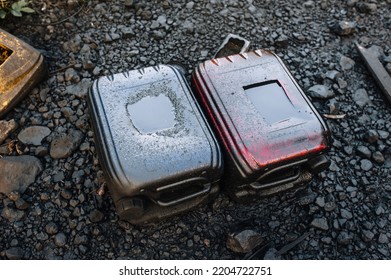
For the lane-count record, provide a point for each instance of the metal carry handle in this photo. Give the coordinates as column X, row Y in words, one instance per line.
column 205, row 190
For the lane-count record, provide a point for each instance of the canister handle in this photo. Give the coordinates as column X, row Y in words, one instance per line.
column 205, row 190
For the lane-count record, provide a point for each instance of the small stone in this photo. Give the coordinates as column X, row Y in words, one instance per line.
column 244, row 241
column 21, row 204
column 41, row 151
column 96, row 216
column 14, row 253
column 380, row 210
column 383, row 239
column 383, row 134
column 366, row 165
column 42, row 236
column 127, row 32
column 378, row 157
column 282, row 41
column 188, row 27
column 364, row 152
column 6, row 128
column 361, row 97
column 366, row 7
column 320, row 91
column 348, row 150
column 12, row 215
column 309, row 4
column 146, row 15
column 272, row 254
column 342, row 83
column 346, row 63
column 71, row 75
column 80, row 89
column 190, row 5
column 344, row 238
column 333, row 75
column 60, row 239
column 128, row 3
column 17, row 173
column 367, row 235
column 81, row 239
column 320, row 223
column 320, row 201
column 64, row 145
column 371, row 136
column 344, row 28
column 346, row 214
column 51, row 228
column 34, row 135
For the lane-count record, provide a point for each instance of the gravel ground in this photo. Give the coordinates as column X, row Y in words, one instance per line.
column 58, row 214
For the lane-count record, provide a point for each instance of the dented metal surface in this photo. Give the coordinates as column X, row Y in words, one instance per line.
column 377, row 70
column 267, row 125
column 157, row 151
column 23, row 69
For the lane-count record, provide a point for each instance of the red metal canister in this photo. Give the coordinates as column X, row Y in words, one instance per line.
column 274, row 138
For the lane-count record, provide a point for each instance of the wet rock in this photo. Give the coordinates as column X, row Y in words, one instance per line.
column 71, row 75
column 383, row 239
column 320, row 91
column 21, row 204
column 364, row 152
column 244, row 241
column 361, row 97
column 14, row 253
column 320, row 223
column 51, row 228
column 188, row 27
column 346, row 214
column 80, row 89
column 366, row 165
column 333, row 75
column 378, row 157
column 309, row 4
column 344, row 238
column 34, row 135
column 272, row 254
column 96, row 216
column 127, row 32
column 371, row 136
column 17, row 173
column 190, row 5
column 146, row 15
column 367, row 235
column 60, row 239
column 346, row 63
column 128, row 3
column 334, row 106
column 363, row 7
column 383, row 134
column 344, row 28
column 6, row 128
column 64, row 145
column 282, row 41
column 12, row 215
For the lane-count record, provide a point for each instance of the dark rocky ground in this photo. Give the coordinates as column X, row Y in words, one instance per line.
column 343, row 214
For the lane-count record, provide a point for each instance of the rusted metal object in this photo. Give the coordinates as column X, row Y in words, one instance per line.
column 232, row 44
column 21, row 68
column 377, row 70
